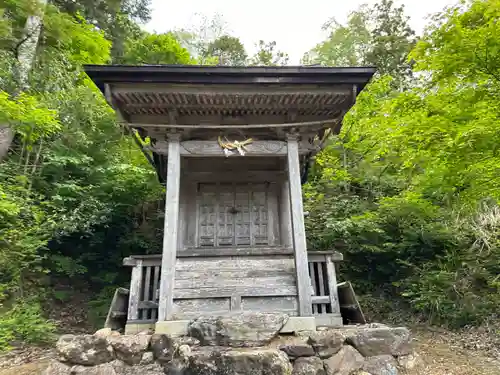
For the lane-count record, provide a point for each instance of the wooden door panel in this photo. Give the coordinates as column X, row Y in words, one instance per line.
column 235, row 214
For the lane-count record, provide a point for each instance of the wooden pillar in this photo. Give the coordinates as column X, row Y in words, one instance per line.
column 286, row 220
column 170, row 232
column 299, row 232
column 135, row 292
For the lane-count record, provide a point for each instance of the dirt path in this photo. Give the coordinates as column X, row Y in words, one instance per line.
column 443, row 357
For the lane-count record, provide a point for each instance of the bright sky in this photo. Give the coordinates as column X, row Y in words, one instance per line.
column 295, row 26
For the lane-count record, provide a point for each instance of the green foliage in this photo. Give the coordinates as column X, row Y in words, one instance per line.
column 71, row 172
column 378, row 36
column 24, row 322
column 228, row 49
column 409, row 190
column 116, row 18
column 346, row 45
column 155, row 49
column 268, row 55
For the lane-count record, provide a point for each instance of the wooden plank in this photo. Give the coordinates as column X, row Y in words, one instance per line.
column 191, row 214
column 271, row 304
column 319, row 256
column 325, row 123
column 156, row 280
column 236, row 302
column 321, row 284
column 147, row 260
column 203, row 274
column 118, row 314
column 332, row 285
column 349, row 306
column 118, row 303
column 286, row 216
column 183, row 218
column 135, row 291
column 198, row 305
column 317, row 300
column 299, row 235
column 170, row 228
column 257, row 290
column 148, row 305
column 220, row 282
column 273, row 212
column 199, row 148
column 239, row 89
column 233, row 251
column 147, row 284
column 312, row 276
column 235, row 263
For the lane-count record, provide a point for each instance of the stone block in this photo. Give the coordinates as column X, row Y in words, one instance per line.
column 308, row 366
column 239, row 330
column 379, row 341
column 346, row 361
column 87, row 350
column 130, row 348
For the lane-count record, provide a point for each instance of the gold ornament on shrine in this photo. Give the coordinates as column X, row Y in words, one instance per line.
column 230, row 148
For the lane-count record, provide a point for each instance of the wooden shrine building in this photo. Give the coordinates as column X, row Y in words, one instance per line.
column 232, row 146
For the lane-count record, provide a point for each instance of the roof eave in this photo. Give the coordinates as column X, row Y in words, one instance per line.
column 194, row 74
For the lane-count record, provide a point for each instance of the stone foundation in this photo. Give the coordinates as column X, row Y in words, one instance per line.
column 239, row 346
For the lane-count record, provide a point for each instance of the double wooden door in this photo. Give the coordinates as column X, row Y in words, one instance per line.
column 238, row 214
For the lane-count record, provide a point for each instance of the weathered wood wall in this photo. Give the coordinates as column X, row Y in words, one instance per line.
column 220, row 285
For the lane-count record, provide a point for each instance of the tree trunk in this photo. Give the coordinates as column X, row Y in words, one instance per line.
column 26, row 57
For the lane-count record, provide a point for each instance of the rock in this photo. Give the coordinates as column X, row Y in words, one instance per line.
column 183, row 351
column 147, row 358
column 241, row 330
column 207, row 361
column 122, row 368
column 308, row 366
column 186, row 340
column 103, row 369
column 381, row 365
column 326, row 343
column 163, row 347
column 410, row 362
column 130, row 348
column 346, row 361
column 57, row 368
column 372, row 342
column 297, row 351
column 106, row 332
column 87, row 350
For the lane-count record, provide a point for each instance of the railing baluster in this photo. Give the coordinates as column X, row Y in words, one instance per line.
column 147, row 287
column 135, row 291
column 322, row 307
column 312, row 276
column 156, row 280
column 332, row 285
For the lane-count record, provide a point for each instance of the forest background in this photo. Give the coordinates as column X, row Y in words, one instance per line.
column 408, row 191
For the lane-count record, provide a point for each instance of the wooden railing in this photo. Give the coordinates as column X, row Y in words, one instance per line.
column 325, row 299
column 145, row 284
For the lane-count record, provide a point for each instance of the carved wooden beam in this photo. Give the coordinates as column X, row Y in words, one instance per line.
column 212, row 148
column 325, row 123
column 167, row 88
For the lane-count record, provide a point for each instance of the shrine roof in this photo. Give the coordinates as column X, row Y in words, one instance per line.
column 192, row 74
column 197, row 96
